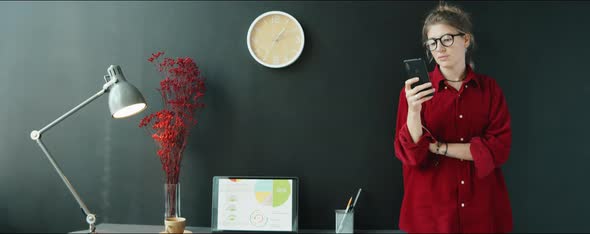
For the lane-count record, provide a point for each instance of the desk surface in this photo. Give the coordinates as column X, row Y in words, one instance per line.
column 132, row 228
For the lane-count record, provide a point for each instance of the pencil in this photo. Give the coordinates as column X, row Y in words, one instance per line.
column 348, row 205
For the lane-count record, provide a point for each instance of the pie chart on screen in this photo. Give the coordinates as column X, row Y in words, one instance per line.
column 272, row 192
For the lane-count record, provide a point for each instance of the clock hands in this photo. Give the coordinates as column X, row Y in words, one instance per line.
column 274, row 41
column 278, row 36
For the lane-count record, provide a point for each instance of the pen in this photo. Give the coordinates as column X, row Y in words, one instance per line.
column 344, row 216
column 356, row 199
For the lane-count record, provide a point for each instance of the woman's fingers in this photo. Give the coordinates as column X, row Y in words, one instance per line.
column 422, row 86
column 417, row 95
column 420, row 101
column 425, row 92
column 409, row 83
column 414, row 99
column 412, row 91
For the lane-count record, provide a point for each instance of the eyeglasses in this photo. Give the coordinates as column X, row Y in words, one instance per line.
column 446, row 40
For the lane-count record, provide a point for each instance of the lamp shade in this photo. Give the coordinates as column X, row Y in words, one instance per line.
column 124, row 99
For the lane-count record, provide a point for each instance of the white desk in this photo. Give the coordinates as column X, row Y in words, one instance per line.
column 132, row 228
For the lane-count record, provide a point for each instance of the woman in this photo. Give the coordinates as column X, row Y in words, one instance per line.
column 453, row 143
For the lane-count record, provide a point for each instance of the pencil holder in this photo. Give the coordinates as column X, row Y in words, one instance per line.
column 344, row 221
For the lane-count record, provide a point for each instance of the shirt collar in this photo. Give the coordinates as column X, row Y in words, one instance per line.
column 438, row 78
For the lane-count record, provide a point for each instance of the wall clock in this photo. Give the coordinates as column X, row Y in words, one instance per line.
column 275, row 39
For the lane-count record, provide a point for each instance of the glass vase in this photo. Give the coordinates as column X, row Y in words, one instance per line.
column 172, row 200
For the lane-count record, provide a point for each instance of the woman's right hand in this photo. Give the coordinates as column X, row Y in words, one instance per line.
column 416, row 96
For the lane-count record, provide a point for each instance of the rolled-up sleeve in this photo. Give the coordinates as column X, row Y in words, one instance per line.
column 408, row 152
column 492, row 149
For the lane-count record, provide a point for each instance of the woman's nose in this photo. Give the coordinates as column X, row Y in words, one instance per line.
column 440, row 47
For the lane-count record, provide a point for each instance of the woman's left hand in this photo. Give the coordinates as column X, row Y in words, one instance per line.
column 432, row 147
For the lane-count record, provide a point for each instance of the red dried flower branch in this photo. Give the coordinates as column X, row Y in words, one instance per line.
column 181, row 91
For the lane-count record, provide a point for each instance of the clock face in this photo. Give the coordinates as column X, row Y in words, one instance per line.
column 275, row 39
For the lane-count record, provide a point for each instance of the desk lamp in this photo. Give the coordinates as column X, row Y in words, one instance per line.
column 124, row 101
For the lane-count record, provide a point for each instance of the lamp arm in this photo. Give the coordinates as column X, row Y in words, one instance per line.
column 90, row 218
column 36, row 136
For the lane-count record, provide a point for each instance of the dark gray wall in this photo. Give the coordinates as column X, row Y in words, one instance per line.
column 328, row 118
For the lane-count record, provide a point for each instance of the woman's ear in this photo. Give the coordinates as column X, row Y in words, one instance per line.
column 467, row 39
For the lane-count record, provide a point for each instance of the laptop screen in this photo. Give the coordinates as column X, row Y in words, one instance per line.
column 254, row 204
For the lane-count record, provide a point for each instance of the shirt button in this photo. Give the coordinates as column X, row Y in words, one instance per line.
column 460, row 116
column 462, row 204
column 462, row 182
column 461, row 138
column 445, row 87
column 466, row 86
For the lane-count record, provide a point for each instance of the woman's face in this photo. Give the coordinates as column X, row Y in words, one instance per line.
column 452, row 55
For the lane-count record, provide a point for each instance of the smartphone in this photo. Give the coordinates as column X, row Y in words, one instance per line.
column 417, row 68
